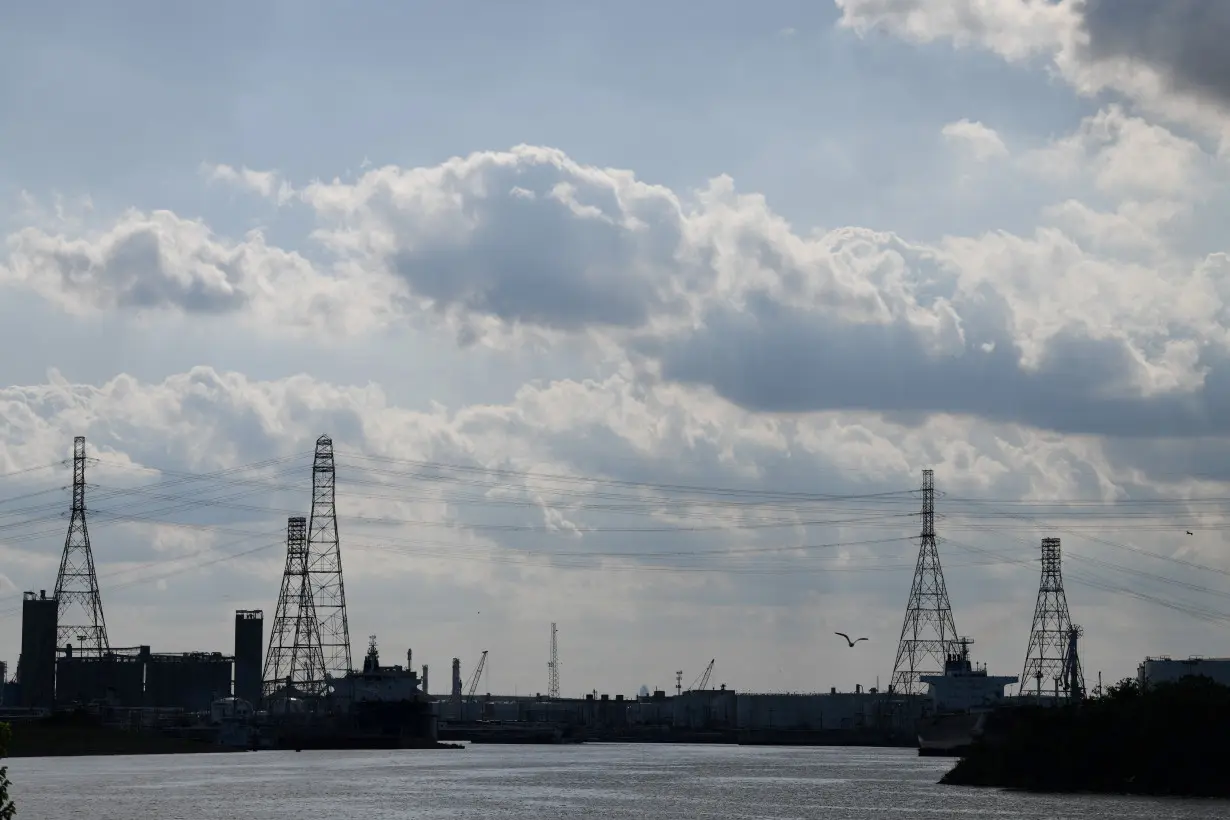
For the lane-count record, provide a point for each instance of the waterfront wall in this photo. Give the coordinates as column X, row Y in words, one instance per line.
column 719, row 709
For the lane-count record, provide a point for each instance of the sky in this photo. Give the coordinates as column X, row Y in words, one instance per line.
column 637, row 318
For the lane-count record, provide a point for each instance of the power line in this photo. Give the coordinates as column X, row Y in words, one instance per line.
column 27, row 470
column 733, row 509
column 1101, row 584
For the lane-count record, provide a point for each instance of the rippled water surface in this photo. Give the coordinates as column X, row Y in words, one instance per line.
column 592, row 781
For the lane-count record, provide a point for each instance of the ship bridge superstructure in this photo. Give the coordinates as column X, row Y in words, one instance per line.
column 965, row 687
column 376, row 683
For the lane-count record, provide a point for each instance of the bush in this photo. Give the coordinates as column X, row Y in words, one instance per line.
column 1166, row 740
column 7, row 809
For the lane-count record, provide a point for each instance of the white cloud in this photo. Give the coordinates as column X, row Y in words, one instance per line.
column 983, row 143
column 713, row 288
column 1016, row 29
column 527, row 236
column 158, row 261
column 1132, row 229
column 268, row 184
column 1127, row 156
column 435, row 550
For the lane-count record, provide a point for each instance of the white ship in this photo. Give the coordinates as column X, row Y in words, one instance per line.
column 377, row 684
column 963, row 697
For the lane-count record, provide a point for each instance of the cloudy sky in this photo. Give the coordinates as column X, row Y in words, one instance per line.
column 641, row 318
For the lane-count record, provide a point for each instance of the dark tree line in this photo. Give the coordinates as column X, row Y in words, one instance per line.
column 1169, row 739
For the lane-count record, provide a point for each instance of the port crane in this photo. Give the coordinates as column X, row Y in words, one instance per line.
column 703, row 680
column 478, row 674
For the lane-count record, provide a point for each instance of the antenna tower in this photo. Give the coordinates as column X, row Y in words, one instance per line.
column 325, row 564
column 295, row 660
column 1051, row 636
column 928, row 633
column 80, row 605
column 553, row 665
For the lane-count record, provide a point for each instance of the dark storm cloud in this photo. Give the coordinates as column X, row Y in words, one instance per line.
column 1184, row 39
column 774, row 358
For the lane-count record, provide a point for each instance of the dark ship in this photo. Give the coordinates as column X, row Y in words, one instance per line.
column 963, row 697
column 379, row 707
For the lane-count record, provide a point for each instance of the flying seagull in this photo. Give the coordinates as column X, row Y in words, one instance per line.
column 847, row 637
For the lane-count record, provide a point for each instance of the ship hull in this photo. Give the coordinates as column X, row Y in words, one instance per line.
column 515, row 733
column 949, row 735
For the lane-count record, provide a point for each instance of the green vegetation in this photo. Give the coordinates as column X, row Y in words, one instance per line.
column 7, row 809
column 1172, row 739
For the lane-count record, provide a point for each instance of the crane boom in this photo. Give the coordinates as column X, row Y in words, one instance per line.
column 704, row 681
column 701, row 682
column 478, row 674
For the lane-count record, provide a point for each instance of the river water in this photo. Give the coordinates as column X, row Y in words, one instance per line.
column 646, row 782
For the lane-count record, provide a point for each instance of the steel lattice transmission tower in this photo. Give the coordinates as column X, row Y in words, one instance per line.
column 1072, row 665
column 294, row 660
column 928, row 634
column 325, row 563
column 1051, row 636
column 553, row 665
column 80, row 606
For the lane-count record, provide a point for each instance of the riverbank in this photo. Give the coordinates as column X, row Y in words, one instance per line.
column 1170, row 740
column 52, row 738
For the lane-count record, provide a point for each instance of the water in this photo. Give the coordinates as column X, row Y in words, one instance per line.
column 646, row 782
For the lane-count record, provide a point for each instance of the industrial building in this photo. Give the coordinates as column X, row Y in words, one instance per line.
column 36, row 669
column 116, row 677
column 188, row 680
column 835, row 711
column 1166, row 670
column 137, row 677
column 249, row 654
column 50, row 676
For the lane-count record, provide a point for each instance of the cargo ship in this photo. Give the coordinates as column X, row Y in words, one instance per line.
column 963, row 697
column 380, row 707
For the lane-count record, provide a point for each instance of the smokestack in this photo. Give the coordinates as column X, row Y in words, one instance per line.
column 424, row 679
column 456, row 677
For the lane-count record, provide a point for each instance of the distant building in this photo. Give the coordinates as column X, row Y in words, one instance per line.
column 116, row 677
column 37, row 667
column 249, row 635
column 1166, row 670
column 187, row 680
column 825, row 712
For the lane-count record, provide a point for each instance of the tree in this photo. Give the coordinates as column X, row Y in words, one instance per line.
column 7, row 810
column 1125, row 689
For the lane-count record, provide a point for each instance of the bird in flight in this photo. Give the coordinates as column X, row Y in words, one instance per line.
column 1189, row 532
column 847, row 637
